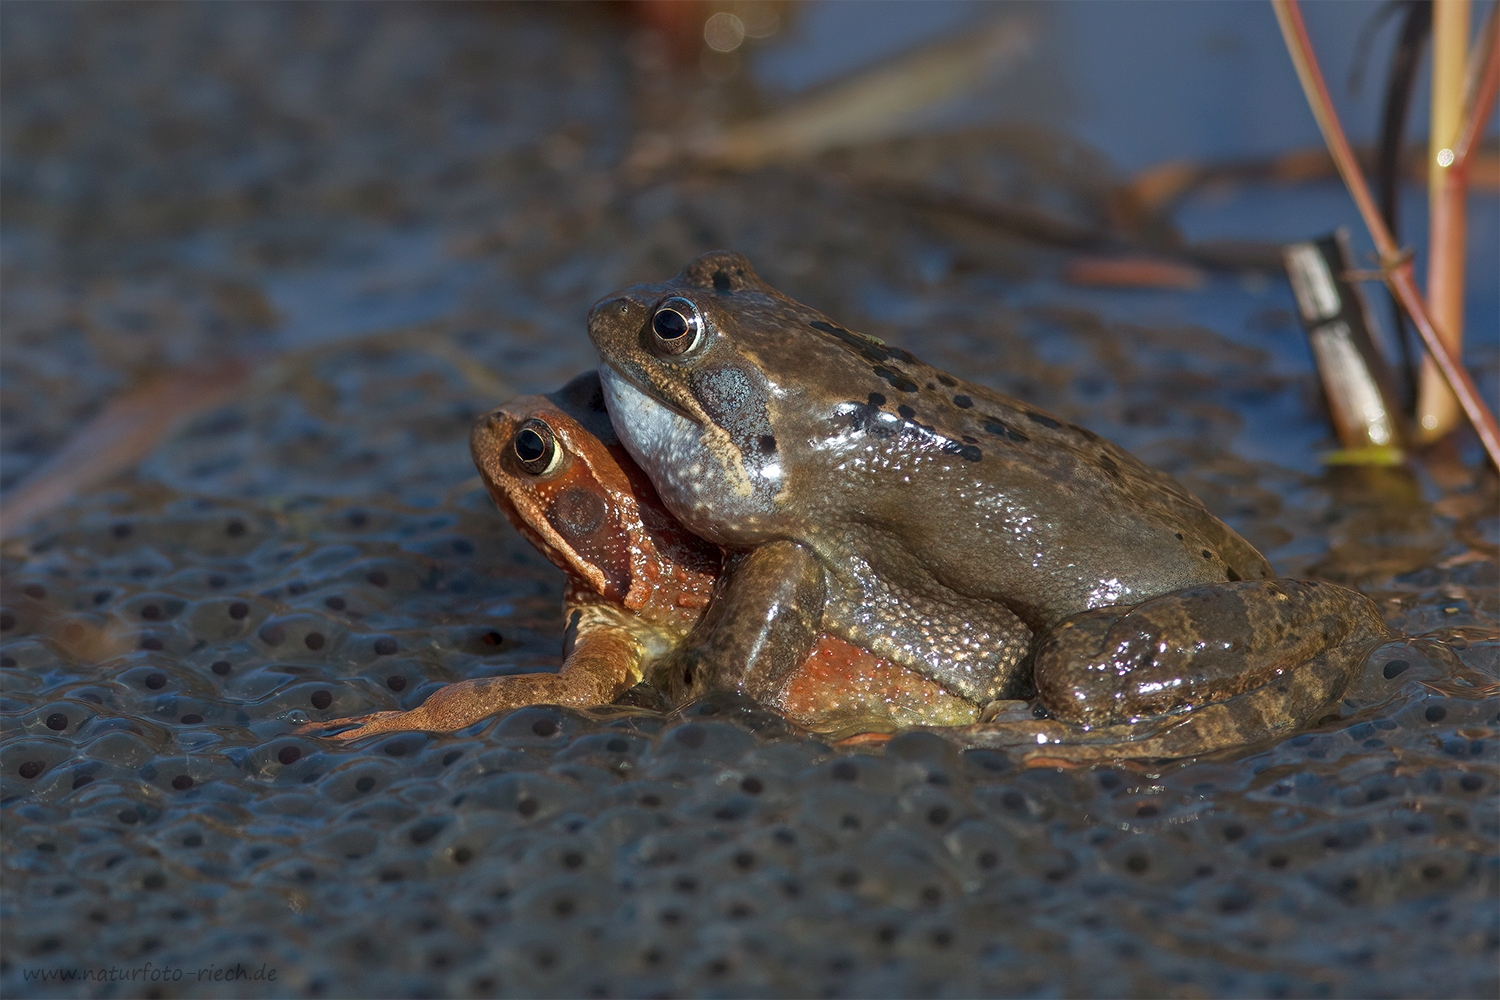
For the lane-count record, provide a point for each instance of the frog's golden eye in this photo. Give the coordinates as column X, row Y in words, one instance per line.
column 676, row 326
column 536, row 448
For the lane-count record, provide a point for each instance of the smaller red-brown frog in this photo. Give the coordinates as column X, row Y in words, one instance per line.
column 637, row 584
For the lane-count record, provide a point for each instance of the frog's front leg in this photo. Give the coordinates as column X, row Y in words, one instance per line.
column 1197, row 647
column 762, row 621
column 608, row 649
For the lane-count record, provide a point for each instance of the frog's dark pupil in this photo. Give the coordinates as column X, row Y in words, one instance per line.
column 530, row 446
column 670, row 324
column 535, row 447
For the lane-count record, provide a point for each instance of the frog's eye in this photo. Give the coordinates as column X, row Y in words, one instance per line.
column 676, row 326
column 536, row 448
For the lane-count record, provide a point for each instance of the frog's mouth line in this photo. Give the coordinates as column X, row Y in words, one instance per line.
column 646, row 390
column 664, row 441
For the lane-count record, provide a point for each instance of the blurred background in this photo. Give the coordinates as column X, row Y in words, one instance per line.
column 263, row 265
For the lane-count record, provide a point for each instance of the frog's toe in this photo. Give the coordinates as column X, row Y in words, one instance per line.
column 374, row 724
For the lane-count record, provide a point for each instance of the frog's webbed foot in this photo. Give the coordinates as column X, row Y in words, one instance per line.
column 461, row 705
column 1198, row 647
column 604, row 662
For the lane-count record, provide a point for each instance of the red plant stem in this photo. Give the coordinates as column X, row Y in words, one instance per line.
column 1398, row 272
column 1483, row 100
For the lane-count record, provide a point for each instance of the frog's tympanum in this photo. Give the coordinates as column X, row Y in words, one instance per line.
column 637, row 582
column 993, row 547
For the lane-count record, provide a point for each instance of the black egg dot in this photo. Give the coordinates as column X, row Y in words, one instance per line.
column 1147, row 809
column 182, row 782
column 128, row 816
column 153, row 643
column 385, row 646
column 1233, row 832
column 192, row 719
column 962, row 402
column 193, row 840
column 335, row 602
column 234, row 528
column 845, row 771
column 987, row 859
column 752, row 785
column 238, row 610
column 221, row 667
column 121, row 530
column 1435, row 713
column 156, row 681
column 57, row 721
column 30, row 769
column 396, row 682
column 314, row 640
column 491, row 638
column 1138, row 863
column 931, row 895
column 938, row 815
column 1395, row 668
column 151, row 612
column 527, row 807
column 617, row 746
column 216, row 581
column 1471, row 782
column 1207, row 554
column 572, row 860
column 377, row 578
column 7, row 661
column 321, row 699
column 7, row 622
column 289, row 755
column 364, row 784
column 544, row 727
column 463, row 855
column 650, row 801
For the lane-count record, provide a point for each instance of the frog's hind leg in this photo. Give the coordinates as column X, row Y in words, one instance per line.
column 603, row 663
column 1198, row 648
column 1279, row 708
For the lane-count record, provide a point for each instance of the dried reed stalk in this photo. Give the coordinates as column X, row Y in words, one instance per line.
column 1437, row 410
column 1396, row 267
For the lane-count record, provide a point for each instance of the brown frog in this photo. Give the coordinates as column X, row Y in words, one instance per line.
column 992, row 546
column 637, row 582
